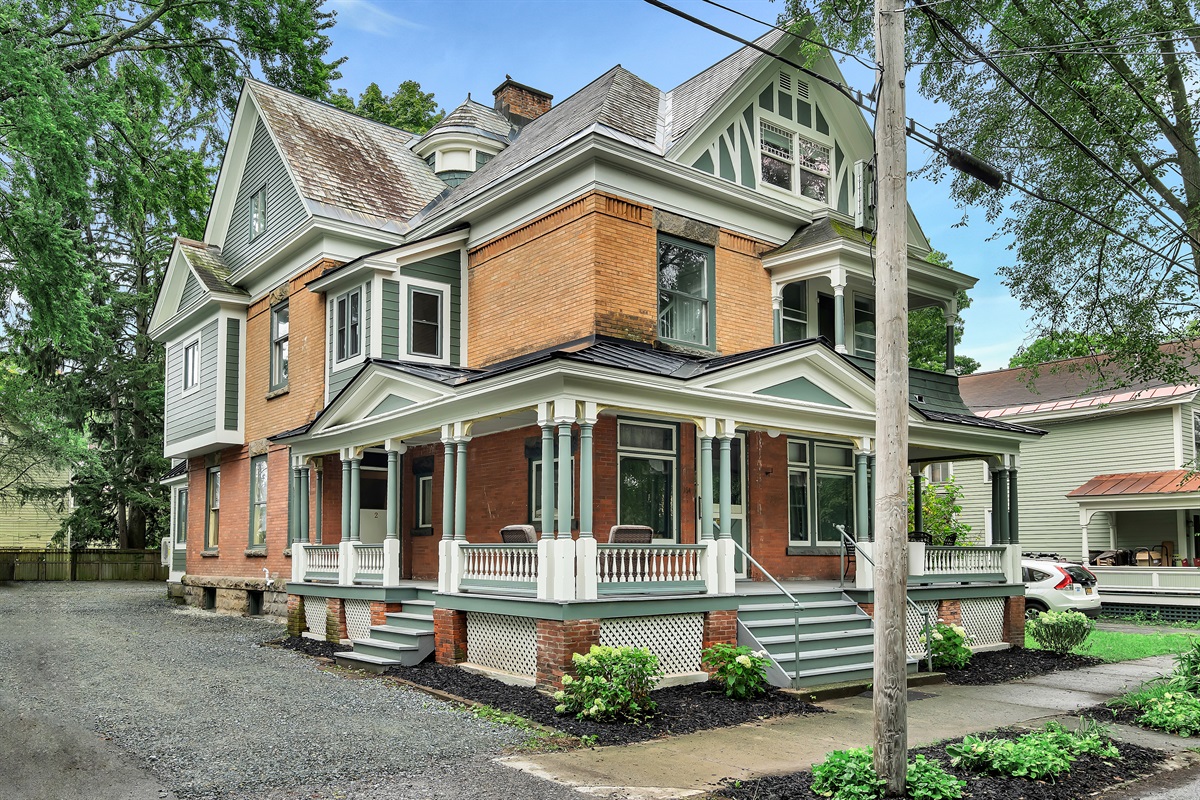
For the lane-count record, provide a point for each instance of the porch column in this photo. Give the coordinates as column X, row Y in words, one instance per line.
column 345, row 546
column 547, row 480
column 546, row 545
column 319, row 502
column 871, row 505
column 918, row 508
column 1002, row 494
column 304, row 487
column 355, row 497
column 777, row 311
column 293, row 504
column 994, row 471
column 726, row 486
column 447, row 549
column 862, row 500
column 564, row 580
column 585, row 548
column 839, row 316
column 951, row 317
column 1014, row 536
column 565, row 480
column 706, row 483
column 460, row 489
column 391, row 544
column 726, row 551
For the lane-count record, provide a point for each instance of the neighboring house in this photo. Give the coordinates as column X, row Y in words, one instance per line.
column 1111, row 475
column 30, row 524
column 636, row 307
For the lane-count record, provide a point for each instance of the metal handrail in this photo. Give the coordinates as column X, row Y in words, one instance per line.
column 796, row 606
column 846, row 537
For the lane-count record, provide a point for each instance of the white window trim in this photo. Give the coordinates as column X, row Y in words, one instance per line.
column 360, row 356
column 274, row 362
column 431, row 286
column 177, row 518
column 663, row 455
column 419, row 506
column 928, row 473
column 854, row 334
column 186, row 390
column 779, row 121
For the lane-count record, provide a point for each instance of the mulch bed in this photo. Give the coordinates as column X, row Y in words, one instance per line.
column 999, row 666
column 310, row 647
column 681, row 709
column 1119, row 715
column 1088, row 775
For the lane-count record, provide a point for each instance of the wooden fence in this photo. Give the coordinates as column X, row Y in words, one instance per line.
column 52, row 564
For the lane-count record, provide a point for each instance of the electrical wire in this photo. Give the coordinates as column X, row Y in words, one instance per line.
column 933, row 142
column 793, row 34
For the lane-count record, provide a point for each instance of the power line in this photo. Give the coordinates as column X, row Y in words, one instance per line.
column 793, row 34
column 956, row 158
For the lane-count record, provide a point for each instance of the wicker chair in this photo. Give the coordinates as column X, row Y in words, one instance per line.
column 518, row 534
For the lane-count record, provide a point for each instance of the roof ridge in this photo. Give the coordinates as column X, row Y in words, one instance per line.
column 330, row 106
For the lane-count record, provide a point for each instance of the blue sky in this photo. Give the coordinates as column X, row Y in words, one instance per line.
column 452, row 47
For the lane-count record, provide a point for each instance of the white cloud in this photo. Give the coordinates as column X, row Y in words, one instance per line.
column 368, row 17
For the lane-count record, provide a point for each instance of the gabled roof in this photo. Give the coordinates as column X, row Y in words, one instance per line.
column 477, row 117
column 691, row 99
column 206, row 262
column 1172, row 481
column 618, row 100
column 343, row 161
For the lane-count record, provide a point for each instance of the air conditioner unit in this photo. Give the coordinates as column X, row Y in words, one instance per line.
column 864, row 193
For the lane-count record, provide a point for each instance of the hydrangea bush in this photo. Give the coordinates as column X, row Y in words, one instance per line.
column 950, row 646
column 614, row 684
column 741, row 670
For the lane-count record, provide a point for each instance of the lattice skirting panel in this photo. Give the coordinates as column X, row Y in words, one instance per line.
column 501, row 642
column 914, row 626
column 316, row 609
column 1164, row 613
column 983, row 619
column 676, row 638
column 358, row 618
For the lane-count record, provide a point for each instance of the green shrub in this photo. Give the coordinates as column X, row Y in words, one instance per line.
column 850, row 775
column 1173, row 712
column 614, row 683
column 1036, row 755
column 742, row 670
column 950, row 646
column 1059, row 631
column 1186, row 675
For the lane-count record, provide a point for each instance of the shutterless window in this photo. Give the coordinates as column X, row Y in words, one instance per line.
column 646, row 462
column 794, row 311
column 181, row 515
column 258, row 212
column 212, row 525
column 793, row 162
column 424, row 323
column 191, row 365
column 348, row 325
column 864, row 326
column 258, row 501
column 424, row 489
column 279, row 346
column 940, row 472
column 798, row 505
column 684, row 291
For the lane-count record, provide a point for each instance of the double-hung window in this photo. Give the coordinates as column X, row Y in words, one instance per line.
column 181, row 517
column 799, row 529
column 191, row 365
column 864, row 326
column 940, row 472
column 279, row 346
column 820, row 492
column 646, row 469
column 424, row 322
column 685, row 279
column 348, row 324
column 1196, row 436
column 794, row 312
column 422, row 469
column 212, row 502
column 258, row 501
column 258, row 213
column 793, row 162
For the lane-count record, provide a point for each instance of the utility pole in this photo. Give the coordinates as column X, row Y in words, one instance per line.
column 890, row 702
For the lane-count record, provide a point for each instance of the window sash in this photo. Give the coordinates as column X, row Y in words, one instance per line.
column 864, row 326
column 191, row 365
column 181, row 514
column 425, row 323
column 212, row 525
column 258, row 213
column 348, row 324
column 798, row 507
column 424, row 515
column 258, row 501
column 280, row 326
column 684, row 291
column 646, row 493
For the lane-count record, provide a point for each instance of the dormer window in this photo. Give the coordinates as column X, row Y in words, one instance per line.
column 258, row 213
column 794, row 162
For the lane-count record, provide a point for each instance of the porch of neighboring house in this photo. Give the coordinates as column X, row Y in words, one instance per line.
column 757, row 531
column 1139, row 530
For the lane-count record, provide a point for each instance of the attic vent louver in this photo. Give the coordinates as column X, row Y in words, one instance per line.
column 785, row 82
column 802, row 90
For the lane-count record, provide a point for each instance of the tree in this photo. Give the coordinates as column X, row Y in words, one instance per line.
column 107, row 121
column 408, row 107
column 1056, row 347
column 927, row 331
column 940, row 509
column 1123, row 80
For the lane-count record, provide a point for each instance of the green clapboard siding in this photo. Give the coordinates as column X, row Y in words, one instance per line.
column 443, row 269
column 196, row 413
column 390, row 308
column 393, row 402
column 192, row 290
column 232, row 374
column 285, row 209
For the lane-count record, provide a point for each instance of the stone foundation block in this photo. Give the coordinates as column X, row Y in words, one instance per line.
column 233, row 601
column 296, row 623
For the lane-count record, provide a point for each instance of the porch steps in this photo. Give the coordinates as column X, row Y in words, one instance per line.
column 405, row 639
column 834, row 640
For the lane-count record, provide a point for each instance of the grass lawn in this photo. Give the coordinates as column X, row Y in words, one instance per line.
column 1117, row 646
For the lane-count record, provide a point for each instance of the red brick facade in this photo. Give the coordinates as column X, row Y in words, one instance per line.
column 720, row 627
column 449, row 636
column 1014, row 620
column 557, row 642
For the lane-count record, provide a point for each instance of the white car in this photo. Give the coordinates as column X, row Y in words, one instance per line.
column 1057, row 585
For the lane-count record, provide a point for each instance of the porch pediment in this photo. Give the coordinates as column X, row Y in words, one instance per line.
column 377, row 391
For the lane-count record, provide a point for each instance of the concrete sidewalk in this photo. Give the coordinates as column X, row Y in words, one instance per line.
column 688, row 765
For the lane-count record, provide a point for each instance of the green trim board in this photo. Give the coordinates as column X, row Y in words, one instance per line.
column 390, row 308
column 608, row 608
column 944, row 592
column 387, row 594
column 804, row 390
column 961, row 577
column 658, row 588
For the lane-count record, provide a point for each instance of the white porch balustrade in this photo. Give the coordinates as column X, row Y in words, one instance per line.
column 973, row 561
column 508, row 568
column 321, row 563
column 650, row 568
column 369, row 563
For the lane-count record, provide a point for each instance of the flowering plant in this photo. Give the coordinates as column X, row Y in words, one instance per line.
column 743, row 671
column 614, row 683
column 950, row 646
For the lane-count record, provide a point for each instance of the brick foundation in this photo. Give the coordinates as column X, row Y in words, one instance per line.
column 450, row 636
column 869, row 608
column 949, row 612
column 379, row 609
column 296, row 623
column 720, row 627
column 1014, row 620
column 557, row 641
column 335, row 620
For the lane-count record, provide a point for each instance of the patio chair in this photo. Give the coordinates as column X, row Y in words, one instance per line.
column 630, row 534
column 518, row 534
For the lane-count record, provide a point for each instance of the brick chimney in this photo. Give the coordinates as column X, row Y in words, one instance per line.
column 519, row 103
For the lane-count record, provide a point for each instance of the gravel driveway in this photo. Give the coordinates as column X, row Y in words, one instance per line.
column 108, row 683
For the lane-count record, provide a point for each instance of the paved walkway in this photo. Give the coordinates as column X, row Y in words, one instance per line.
column 692, row 764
